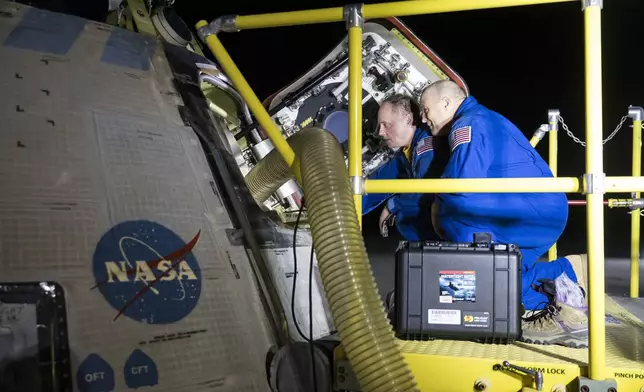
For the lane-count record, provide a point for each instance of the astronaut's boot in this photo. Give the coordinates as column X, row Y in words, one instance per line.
column 563, row 321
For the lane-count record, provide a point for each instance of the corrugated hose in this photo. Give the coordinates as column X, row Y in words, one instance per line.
column 358, row 312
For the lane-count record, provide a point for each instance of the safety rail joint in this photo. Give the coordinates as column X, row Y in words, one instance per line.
column 594, row 183
column 353, row 15
column 591, row 3
column 357, row 185
column 226, row 23
column 636, row 113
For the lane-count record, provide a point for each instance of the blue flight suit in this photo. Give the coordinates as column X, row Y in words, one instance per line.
column 484, row 144
column 412, row 210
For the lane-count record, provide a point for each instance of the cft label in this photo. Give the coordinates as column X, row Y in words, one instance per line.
column 140, row 370
column 147, row 272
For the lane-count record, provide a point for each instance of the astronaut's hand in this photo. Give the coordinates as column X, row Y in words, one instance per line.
column 385, row 219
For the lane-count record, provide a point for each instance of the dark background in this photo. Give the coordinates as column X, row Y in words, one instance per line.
column 519, row 61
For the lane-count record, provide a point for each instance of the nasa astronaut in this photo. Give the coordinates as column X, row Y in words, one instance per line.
column 416, row 157
column 483, row 144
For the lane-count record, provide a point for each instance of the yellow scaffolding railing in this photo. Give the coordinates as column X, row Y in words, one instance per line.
column 636, row 114
column 594, row 183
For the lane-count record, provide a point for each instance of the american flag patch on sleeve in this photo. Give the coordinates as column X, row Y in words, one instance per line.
column 424, row 145
column 460, row 136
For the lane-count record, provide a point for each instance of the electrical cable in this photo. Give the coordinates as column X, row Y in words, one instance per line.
column 311, row 344
column 299, row 331
column 297, row 223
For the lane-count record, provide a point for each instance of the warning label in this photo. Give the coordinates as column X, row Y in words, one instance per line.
column 457, row 286
column 476, row 319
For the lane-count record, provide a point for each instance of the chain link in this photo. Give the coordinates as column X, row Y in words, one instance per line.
column 579, row 141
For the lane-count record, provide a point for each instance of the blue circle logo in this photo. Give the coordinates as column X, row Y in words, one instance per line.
column 147, row 272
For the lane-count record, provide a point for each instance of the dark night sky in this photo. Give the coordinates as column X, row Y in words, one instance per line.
column 519, row 61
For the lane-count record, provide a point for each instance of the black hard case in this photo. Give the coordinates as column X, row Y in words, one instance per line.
column 495, row 314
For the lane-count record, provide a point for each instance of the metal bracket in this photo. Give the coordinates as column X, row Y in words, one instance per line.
column 357, row 185
column 235, row 236
column 590, row 3
column 593, row 183
column 636, row 113
column 353, row 15
column 588, row 385
column 541, row 131
column 553, row 119
column 226, row 23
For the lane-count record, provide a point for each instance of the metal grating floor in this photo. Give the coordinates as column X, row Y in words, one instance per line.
column 624, row 345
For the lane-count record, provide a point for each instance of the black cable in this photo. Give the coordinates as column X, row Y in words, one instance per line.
column 297, row 223
column 299, row 331
column 315, row 381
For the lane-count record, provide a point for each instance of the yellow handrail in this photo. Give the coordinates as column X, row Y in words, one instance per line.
column 255, row 106
column 475, row 185
column 373, row 11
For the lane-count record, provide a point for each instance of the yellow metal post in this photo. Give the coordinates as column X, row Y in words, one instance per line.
column 636, row 114
column 249, row 96
column 553, row 122
column 595, row 190
column 375, row 11
column 353, row 15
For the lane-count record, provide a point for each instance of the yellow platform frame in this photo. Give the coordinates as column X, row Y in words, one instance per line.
column 443, row 370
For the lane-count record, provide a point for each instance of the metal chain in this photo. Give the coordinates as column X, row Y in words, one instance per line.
column 578, row 141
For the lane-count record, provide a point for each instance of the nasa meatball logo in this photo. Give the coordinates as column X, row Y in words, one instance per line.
column 147, row 272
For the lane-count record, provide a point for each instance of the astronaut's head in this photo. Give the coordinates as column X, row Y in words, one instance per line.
column 397, row 120
column 439, row 103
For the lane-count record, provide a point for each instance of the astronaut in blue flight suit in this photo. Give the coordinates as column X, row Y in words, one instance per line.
column 484, row 144
column 398, row 120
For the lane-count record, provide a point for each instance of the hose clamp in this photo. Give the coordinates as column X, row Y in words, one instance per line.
column 593, row 183
column 553, row 119
column 357, row 185
column 591, row 3
column 353, row 15
column 226, row 23
column 636, row 113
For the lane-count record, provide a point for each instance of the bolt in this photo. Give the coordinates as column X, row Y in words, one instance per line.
column 141, row 14
column 611, row 389
column 584, row 388
column 340, row 369
column 481, row 385
column 341, row 378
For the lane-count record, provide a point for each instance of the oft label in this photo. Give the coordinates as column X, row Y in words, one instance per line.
column 147, row 272
column 95, row 375
column 140, row 370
